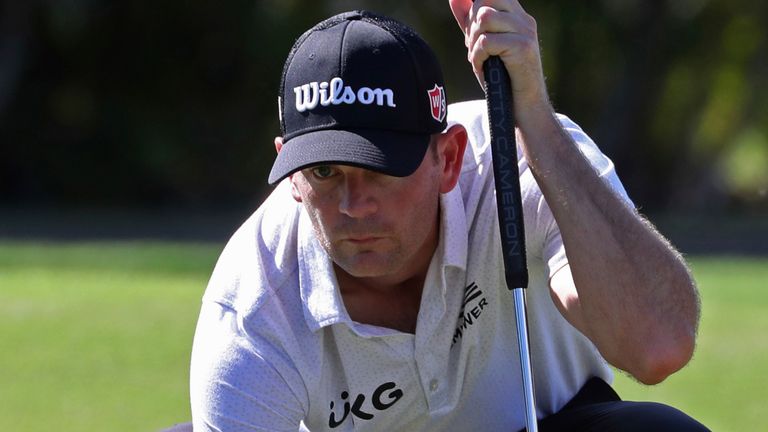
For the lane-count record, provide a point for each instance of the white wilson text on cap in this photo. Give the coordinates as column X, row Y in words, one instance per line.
column 335, row 93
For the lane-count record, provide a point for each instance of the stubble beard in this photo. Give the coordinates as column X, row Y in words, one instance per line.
column 394, row 255
column 383, row 257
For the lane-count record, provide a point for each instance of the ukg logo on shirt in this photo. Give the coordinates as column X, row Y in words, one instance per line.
column 383, row 397
column 471, row 309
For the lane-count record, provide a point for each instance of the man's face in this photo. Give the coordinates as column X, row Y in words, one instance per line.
column 373, row 226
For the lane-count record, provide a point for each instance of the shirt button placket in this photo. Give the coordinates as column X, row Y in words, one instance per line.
column 434, row 384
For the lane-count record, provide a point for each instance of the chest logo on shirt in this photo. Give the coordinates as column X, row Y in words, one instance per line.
column 379, row 400
column 471, row 309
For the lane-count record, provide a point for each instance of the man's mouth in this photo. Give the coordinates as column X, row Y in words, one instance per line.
column 362, row 239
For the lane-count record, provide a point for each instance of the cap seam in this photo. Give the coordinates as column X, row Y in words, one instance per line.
column 416, row 73
column 342, row 57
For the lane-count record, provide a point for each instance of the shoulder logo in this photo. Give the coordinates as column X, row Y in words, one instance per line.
column 437, row 102
column 308, row 96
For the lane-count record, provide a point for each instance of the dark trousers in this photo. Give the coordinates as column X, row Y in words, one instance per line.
column 597, row 407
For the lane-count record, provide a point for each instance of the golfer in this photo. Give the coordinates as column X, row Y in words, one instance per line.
column 367, row 292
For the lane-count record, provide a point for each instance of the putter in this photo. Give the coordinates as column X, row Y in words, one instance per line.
column 498, row 95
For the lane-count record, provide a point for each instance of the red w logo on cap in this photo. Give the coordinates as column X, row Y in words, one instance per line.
column 437, row 102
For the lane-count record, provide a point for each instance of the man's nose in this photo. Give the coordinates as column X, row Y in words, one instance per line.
column 357, row 199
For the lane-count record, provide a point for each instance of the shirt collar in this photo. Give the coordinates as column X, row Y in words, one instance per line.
column 320, row 295
column 453, row 230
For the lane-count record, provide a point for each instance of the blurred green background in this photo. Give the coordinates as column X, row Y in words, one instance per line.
column 136, row 136
column 173, row 104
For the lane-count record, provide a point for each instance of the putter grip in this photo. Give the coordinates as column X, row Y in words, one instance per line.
column 498, row 94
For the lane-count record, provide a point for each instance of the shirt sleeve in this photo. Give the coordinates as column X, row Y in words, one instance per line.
column 553, row 251
column 235, row 385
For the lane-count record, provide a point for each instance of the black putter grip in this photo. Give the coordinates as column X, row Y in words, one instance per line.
column 498, row 94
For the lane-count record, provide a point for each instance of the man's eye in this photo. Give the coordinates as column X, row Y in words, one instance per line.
column 322, row 171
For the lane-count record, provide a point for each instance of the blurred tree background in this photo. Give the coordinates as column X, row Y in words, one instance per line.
column 173, row 104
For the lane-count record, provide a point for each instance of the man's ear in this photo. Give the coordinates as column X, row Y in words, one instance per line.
column 294, row 188
column 451, row 145
column 278, row 143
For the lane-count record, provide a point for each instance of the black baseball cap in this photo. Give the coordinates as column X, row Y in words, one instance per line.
column 359, row 89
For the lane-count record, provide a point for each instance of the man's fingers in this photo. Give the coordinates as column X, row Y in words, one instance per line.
column 500, row 5
column 460, row 9
column 490, row 22
column 466, row 12
column 511, row 47
column 502, row 28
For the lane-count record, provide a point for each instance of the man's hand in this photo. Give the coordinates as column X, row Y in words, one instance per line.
column 502, row 28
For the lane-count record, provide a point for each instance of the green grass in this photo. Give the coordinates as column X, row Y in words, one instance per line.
column 726, row 384
column 97, row 336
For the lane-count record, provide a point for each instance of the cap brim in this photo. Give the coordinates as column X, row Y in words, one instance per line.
column 388, row 152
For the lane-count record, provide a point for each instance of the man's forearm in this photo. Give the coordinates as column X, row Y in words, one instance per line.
column 636, row 299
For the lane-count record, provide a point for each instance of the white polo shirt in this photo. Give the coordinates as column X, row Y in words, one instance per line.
column 276, row 350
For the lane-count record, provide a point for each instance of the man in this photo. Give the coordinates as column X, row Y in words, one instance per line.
column 367, row 292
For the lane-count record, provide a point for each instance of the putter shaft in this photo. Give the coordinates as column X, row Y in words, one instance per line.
column 521, row 323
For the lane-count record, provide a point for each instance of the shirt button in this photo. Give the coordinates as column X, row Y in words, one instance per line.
column 433, row 385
